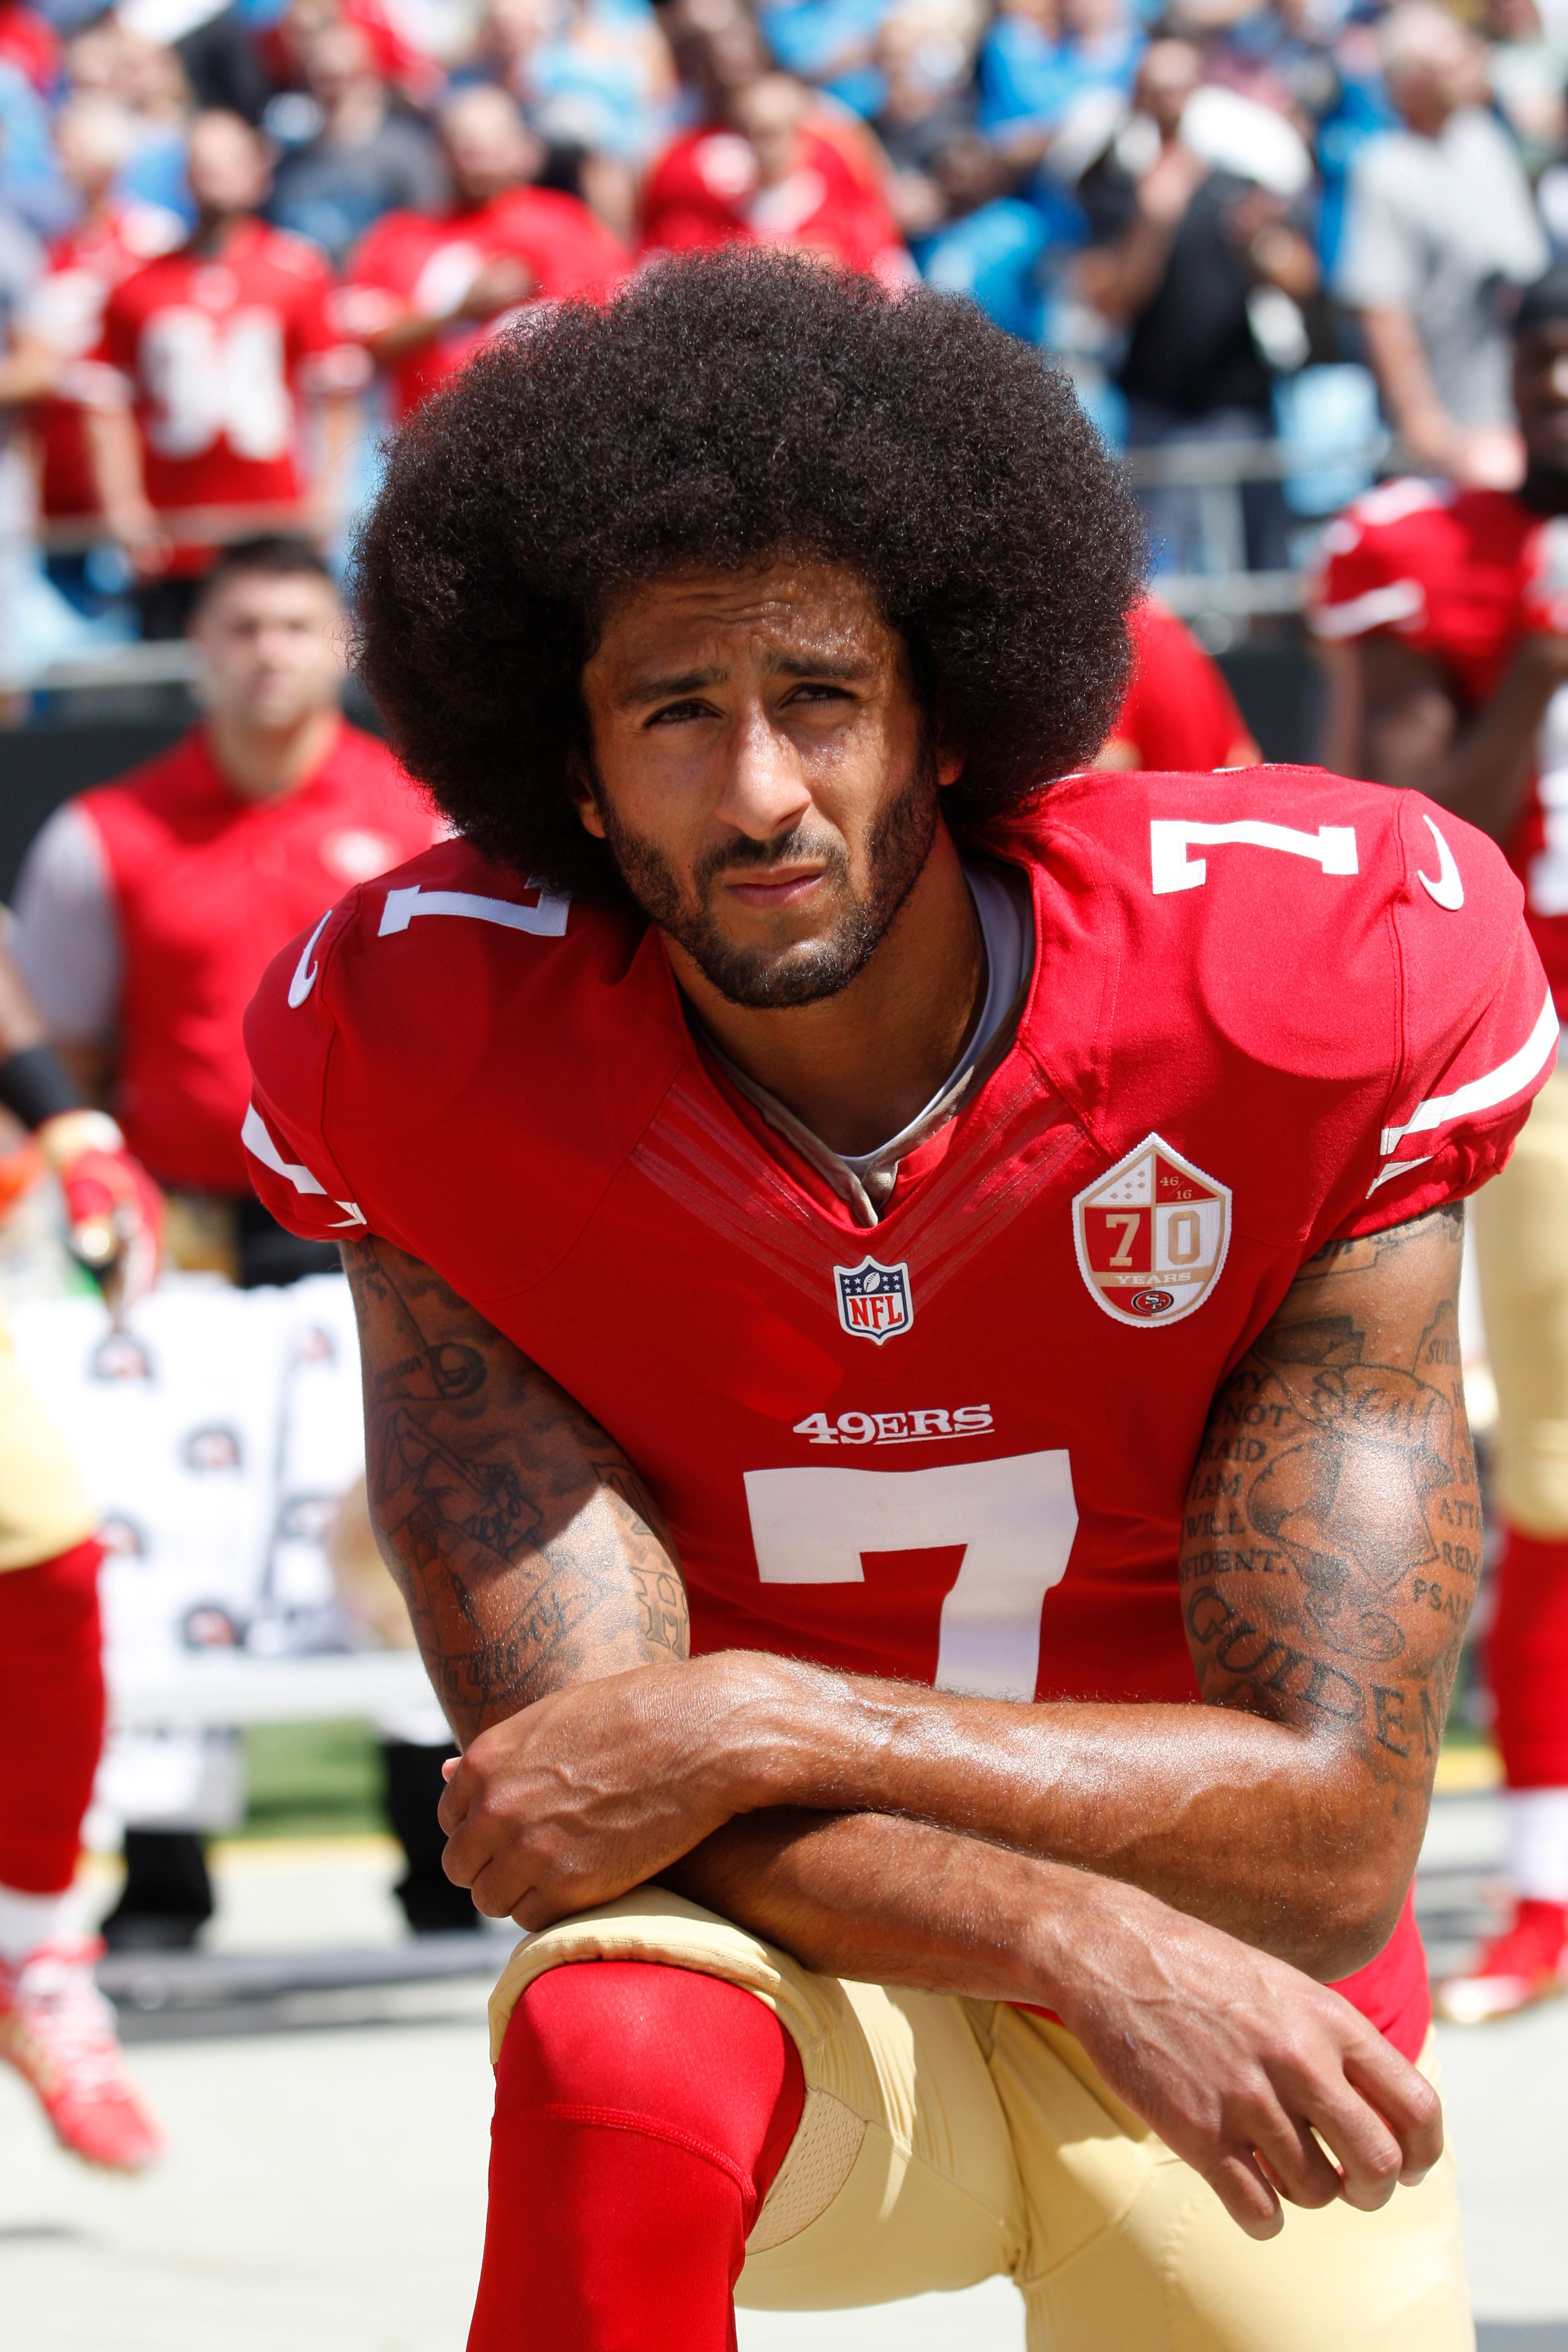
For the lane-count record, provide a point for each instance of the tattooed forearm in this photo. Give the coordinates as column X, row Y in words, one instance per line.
column 527, row 1547
column 1332, row 1539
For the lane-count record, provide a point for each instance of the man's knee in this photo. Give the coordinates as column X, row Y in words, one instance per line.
column 643, row 2045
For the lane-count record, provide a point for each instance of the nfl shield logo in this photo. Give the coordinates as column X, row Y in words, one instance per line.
column 1152, row 1234
column 875, row 1302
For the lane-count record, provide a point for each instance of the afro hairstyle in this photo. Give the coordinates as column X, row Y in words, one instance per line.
column 724, row 410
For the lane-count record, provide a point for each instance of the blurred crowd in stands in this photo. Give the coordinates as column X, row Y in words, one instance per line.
column 239, row 241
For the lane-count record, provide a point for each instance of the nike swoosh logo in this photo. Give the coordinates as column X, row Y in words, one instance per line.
column 305, row 972
column 1449, row 890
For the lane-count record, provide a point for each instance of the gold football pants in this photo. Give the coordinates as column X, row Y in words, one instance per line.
column 1520, row 1225
column 943, row 2141
column 43, row 1509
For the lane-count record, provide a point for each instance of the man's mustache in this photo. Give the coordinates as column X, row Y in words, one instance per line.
column 783, row 849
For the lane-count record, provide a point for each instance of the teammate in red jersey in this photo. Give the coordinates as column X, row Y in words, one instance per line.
column 1178, row 711
column 882, row 1285
column 210, row 355
column 424, row 293
column 768, row 176
column 148, row 909
column 1444, row 617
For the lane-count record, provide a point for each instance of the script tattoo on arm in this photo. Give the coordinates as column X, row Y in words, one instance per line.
column 529, row 1551
column 1332, row 1538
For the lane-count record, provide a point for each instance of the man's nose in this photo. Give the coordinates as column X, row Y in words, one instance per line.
column 764, row 790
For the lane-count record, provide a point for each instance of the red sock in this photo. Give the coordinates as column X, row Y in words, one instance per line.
column 51, row 1716
column 641, row 2114
column 1528, row 1653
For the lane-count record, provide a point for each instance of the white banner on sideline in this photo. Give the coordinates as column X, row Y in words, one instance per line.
column 216, row 1430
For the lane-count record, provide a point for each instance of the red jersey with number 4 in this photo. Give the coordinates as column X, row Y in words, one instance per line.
column 1461, row 576
column 216, row 352
column 1178, row 711
column 954, row 1446
column 205, row 885
column 410, row 261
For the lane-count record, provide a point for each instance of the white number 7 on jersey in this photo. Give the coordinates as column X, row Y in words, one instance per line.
column 1015, row 1518
column 1332, row 847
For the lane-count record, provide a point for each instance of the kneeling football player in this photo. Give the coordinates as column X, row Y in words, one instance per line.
column 907, row 1305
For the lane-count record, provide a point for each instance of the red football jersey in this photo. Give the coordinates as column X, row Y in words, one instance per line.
column 1178, row 712
column 85, row 265
column 704, row 191
column 206, row 885
column 216, row 352
column 1450, row 573
column 410, row 260
column 954, row 1446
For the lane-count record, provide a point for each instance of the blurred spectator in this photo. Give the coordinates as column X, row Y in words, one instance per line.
column 95, row 138
column 368, row 156
column 284, row 46
column 596, row 74
column 1527, row 67
column 108, row 60
column 212, row 42
column 989, row 244
column 146, row 913
column 424, row 291
column 28, row 370
column 772, row 179
column 30, row 182
column 1196, row 213
column 1041, row 58
column 1440, row 225
column 209, row 355
column 830, row 43
column 927, row 103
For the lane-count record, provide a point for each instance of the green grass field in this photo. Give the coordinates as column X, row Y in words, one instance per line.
column 312, row 1780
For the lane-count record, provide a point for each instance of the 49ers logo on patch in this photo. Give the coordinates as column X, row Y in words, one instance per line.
column 1152, row 1234
column 875, row 1301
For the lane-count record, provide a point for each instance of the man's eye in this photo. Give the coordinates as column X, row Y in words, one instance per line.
column 817, row 690
column 676, row 713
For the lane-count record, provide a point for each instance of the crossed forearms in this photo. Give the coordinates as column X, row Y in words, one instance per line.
column 1238, row 1822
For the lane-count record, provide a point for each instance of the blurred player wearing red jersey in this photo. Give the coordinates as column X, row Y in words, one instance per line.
column 55, row 2029
column 768, row 176
column 1178, row 711
column 1444, row 615
column 210, row 356
column 424, row 291
column 146, row 911
column 880, row 1283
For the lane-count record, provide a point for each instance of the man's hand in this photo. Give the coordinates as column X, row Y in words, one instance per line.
column 1232, row 2057
column 1237, row 2060
column 595, row 1790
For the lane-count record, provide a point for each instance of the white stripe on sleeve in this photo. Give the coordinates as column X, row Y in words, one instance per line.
column 257, row 1140
column 1486, row 1092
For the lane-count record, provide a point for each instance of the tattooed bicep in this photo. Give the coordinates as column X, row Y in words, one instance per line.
column 1332, row 1542
column 529, row 1551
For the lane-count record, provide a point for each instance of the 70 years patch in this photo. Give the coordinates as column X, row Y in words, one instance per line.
column 1152, row 1234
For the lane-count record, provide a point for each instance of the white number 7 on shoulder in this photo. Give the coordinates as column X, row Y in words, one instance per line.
column 1332, row 847
column 1015, row 1518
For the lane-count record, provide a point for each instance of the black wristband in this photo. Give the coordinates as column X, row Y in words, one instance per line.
column 35, row 1084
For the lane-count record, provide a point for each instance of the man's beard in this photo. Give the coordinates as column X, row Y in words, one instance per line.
column 803, row 973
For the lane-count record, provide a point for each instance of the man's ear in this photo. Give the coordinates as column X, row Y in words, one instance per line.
column 585, row 801
column 949, row 764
